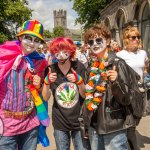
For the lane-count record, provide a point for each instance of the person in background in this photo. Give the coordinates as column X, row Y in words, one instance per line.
column 21, row 67
column 80, row 55
column 66, row 81
column 45, row 52
column 136, row 58
column 115, row 46
column 103, row 115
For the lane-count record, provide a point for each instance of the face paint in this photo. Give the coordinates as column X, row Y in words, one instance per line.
column 62, row 56
column 30, row 43
column 98, row 45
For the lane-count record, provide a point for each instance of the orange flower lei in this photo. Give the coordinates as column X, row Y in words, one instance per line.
column 96, row 86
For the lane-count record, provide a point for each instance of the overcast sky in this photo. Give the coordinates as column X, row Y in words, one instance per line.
column 43, row 11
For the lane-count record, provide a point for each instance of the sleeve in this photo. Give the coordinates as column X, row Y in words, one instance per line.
column 121, row 87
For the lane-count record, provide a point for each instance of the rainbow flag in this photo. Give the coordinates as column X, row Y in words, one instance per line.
column 40, row 107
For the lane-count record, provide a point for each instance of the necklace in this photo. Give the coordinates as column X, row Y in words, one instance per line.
column 96, row 86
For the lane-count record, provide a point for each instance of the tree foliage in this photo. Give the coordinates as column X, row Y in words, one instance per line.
column 58, row 31
column 89, row 10
column 48, row 34
column 12, row 14
column 3, row 38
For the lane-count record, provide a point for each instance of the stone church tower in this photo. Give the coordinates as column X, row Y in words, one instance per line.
column 60, row 18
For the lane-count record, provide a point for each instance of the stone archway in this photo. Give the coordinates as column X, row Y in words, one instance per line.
column 121, row 19
column 144, row 17
column 107, row 22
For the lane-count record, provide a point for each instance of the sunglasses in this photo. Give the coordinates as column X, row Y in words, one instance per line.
column 98, row 41
column 134, row 37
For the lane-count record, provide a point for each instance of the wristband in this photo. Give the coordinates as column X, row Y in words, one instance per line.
column 47, row 80
column 78, row 78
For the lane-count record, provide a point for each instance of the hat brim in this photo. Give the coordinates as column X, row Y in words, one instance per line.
column 31, row 33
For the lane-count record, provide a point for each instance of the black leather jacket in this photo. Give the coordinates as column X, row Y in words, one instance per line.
column 113, row 114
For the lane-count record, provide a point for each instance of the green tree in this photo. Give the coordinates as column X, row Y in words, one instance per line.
column 48, row 34
column 58, row 31
column 3, row 38
column 12, row 14
column 89, row 10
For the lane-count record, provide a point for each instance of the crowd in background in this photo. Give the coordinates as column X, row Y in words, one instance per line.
column 91, row 82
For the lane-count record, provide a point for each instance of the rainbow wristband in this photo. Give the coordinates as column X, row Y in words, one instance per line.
column 79, row 79
column 47, row 81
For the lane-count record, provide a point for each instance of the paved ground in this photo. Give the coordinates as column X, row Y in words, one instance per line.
column 143, row 134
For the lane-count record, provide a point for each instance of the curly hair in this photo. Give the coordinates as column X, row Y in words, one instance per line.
column 97, row 29
column 126, row 34
column 62, row 43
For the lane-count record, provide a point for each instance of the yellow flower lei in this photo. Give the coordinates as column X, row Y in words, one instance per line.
column 96, row 86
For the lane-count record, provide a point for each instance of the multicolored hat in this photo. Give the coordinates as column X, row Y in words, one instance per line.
column 32, row 27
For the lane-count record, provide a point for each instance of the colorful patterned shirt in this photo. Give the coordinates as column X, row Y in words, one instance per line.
column 15, row 98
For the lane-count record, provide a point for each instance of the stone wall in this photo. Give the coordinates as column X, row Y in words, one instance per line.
column 121, row 13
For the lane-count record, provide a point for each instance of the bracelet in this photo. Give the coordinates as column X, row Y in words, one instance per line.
column 46, row 80
column 79, row 79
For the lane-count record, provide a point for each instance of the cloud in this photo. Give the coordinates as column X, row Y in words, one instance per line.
column 43, row 11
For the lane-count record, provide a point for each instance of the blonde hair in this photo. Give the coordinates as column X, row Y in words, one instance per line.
column 126, row 34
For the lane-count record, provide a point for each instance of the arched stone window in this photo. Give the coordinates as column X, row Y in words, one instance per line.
column 107, row 22
column 120, row 20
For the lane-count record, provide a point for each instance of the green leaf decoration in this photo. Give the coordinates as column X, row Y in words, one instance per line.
column 63, row 95
column 72, row 95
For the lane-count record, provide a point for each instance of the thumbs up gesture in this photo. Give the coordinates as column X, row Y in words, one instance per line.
column 74, row 77
column 112, row 74
column 50, row 78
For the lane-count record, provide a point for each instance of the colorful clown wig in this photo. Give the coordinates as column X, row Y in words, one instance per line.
column 62, row 43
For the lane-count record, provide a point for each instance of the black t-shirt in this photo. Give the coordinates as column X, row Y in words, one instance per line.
column 67, row 100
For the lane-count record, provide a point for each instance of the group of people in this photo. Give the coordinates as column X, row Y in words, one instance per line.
column 92, row 103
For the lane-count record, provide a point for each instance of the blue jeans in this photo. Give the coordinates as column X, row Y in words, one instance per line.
column 25, row 141
column 63, row 139
column 112, row 141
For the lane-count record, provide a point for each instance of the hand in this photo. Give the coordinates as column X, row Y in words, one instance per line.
column 112, row 74
column 37, row 81
column 74, row 77
column 71, row 77
column 50, row 78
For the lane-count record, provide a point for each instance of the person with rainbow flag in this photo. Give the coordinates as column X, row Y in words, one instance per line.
column 21, row 76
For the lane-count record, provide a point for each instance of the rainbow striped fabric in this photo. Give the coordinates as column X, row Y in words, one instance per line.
column 40, row 107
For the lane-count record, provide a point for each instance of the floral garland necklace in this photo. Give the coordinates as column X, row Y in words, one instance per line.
column 96, row 86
